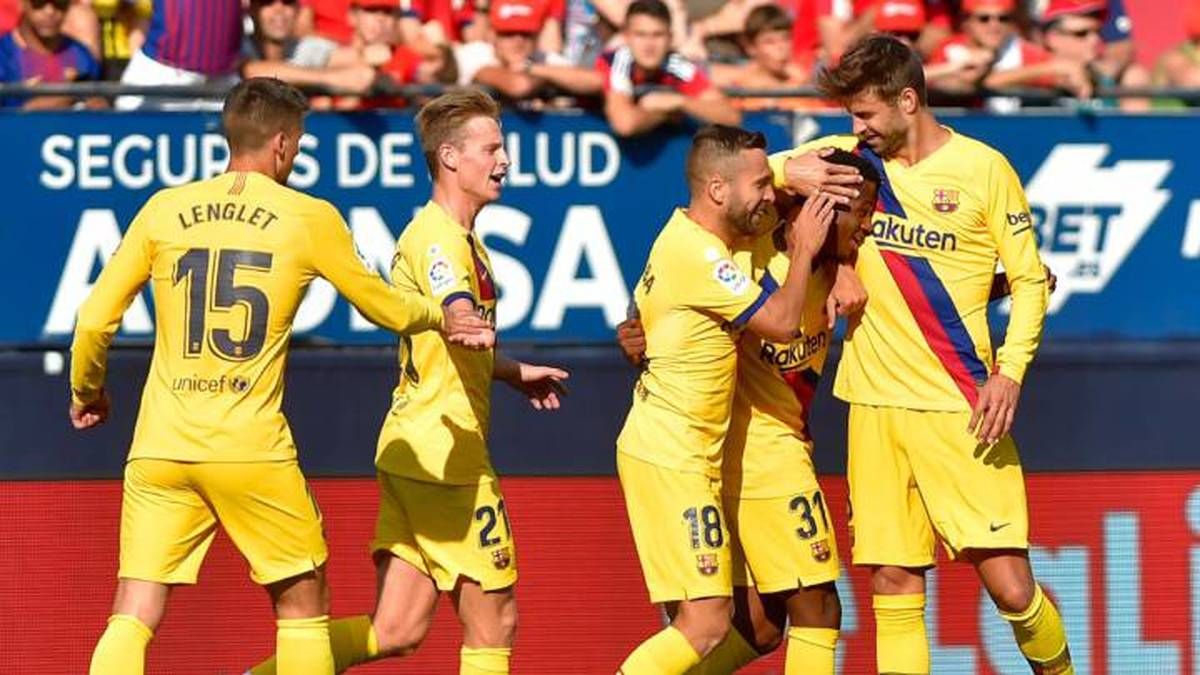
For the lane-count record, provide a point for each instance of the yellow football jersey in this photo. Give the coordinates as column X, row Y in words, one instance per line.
column 768, row 447
column 939, row 228
column 229, row 260
column 693, row 298
column 437, row 427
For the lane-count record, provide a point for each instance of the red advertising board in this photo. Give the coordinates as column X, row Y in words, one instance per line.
column 1120, row 552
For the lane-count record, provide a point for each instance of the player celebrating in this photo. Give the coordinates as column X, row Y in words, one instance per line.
column 693, row 300
column 230, row 259
column 442, row 523
column 930, row 411
column 785, row 559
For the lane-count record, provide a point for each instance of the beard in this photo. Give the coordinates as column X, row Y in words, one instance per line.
column 751, row 222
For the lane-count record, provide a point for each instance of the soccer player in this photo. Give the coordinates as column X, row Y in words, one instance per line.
column 785, row 558
column 694, row 300
column 229, row 259
column 442, row 525
column 930, row 456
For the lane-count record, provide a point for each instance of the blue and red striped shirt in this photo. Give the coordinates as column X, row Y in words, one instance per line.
column 201, row 36
column 19, row 62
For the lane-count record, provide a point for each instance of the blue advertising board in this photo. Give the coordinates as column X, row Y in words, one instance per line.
column 1116, row 200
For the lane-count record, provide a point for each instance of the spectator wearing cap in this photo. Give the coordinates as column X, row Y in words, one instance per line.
column 1116, row 33
column 767, row 40
column 1180, row 66
column 681, row 86
column 990, row 35
column 512, row 63
column 188, row 43
column 1071, row 31
column 275, row 50
column 38, row 52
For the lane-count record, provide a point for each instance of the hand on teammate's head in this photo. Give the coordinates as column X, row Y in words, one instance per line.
column 809, row 173
column 810, row 228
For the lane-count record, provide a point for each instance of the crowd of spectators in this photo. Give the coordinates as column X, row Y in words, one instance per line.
column 643, row 62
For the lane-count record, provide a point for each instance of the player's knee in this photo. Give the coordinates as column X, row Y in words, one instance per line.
column 1014, row 597
column 705, row 624
column 400, row 636
column 816, row 607
column 497, row 628
column 888, row 580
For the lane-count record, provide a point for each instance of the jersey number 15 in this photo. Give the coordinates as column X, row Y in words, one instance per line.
column 193, row 268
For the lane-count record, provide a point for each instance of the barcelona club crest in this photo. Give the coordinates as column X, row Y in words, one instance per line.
column 945, row 201
column 707, row 564
column 820, row 550
column 501, row 558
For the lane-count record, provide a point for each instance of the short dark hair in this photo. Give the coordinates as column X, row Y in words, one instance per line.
column 764, row 19
column 257, row 109
column 442, row 120
column 865, row 168
column 714, row 144
column 656, row 9
column 879, row 63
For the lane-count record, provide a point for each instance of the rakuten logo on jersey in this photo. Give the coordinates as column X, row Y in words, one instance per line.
column 1089, row 217
column 906, row 235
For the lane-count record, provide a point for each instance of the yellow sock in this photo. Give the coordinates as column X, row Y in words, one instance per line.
column 122, row 648
column 352, row 640
column 484, row 660
column 901, row 645
column 1041, row 637
column 732, row 653
column 810, row 650
column 666, row 652
column 302, row 646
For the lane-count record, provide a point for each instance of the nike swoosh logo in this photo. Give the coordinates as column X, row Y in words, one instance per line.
column 995, row 528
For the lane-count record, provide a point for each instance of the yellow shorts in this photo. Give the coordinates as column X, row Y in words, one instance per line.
column 916, row 473
column 782, row 543
column 447, row 531
column 678, row 529
column 170, row 511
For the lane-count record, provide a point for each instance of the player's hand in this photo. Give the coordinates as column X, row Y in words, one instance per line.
column 993, row 415
column 91, row 414
column 662, row 101
column 632, row 338
column 809, row 174
column 465, row 328
column 542, row 385
column 848, row 295
column 1051, row 278
column 808, row 232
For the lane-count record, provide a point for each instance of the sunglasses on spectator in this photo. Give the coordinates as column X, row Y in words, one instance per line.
column 1078, row 34
column 60, row 5
column 990, row 18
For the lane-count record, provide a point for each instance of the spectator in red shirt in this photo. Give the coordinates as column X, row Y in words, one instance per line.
column 647, row 59
column 896, row 17
column 37, row 51
column 1071, row 31
column 992, row 54
column 512, row 63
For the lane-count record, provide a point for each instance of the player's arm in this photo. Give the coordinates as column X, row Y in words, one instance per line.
column 334, row 258
column 1001, row 290
column 713, row 107
column 780, row 315
column 627, row 118
column 1011, row 227
column 848, row 294
column 100, row 316
column 803, row 170
column 542, row 385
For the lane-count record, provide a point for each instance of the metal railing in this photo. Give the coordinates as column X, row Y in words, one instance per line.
column 111, row 90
